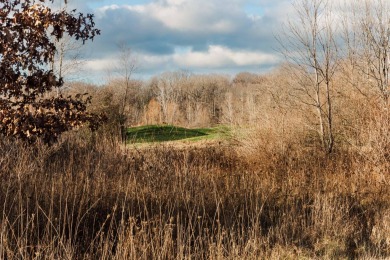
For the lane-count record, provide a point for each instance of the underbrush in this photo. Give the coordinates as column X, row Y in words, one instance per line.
column 89, row 199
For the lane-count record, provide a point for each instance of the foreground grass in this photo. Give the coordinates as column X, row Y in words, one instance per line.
column 88, row 199
column 163, row 133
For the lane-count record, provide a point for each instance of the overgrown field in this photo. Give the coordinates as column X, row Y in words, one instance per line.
column 293, row 163
column 89, row 198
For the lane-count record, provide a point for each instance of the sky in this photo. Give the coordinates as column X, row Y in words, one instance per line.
column 198, row 36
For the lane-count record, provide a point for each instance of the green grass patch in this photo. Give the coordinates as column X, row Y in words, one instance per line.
column 163, row 133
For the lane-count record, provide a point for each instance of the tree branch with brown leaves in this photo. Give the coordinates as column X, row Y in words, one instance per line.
column 28, row 31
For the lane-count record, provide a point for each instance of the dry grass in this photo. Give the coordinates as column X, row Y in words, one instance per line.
column 87, row 198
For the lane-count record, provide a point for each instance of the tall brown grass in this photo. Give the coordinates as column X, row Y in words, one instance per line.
column 89, row 198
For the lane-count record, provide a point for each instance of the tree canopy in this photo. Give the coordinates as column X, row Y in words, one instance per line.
column 29, row 109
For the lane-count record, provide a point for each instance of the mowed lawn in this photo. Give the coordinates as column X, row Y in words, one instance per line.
column 164, row 133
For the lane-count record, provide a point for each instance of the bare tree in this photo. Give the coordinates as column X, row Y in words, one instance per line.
column 375, row 35
column 309, row 43
column 125, row 68
column 366, row 34
column 69, row 57
column 167, row 89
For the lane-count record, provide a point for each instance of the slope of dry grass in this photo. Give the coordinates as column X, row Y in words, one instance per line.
column 88, row 199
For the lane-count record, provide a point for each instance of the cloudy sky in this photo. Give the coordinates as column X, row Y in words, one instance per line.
column 200, row 36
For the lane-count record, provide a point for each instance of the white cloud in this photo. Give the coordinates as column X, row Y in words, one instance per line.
column 219, row 56
column 184, row 15
column 198, row 35
column 101, row 12
column 216, row 57
column 100, row 64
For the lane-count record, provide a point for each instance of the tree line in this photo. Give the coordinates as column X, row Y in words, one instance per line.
column 334, row 85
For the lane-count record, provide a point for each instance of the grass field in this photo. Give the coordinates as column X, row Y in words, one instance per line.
column 164, row 133
column 88, row 198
